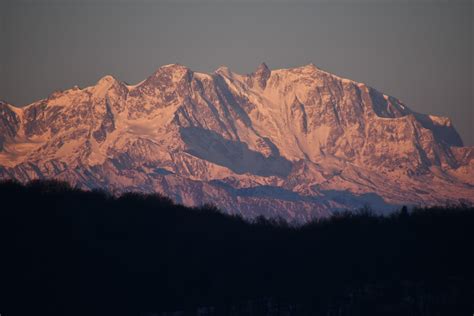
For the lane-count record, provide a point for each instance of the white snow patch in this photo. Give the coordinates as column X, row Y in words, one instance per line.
column 130, row 87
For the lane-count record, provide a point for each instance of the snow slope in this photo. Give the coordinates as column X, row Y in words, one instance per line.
column 298, row 143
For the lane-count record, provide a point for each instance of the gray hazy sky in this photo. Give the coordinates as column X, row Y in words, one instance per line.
column 418, row 51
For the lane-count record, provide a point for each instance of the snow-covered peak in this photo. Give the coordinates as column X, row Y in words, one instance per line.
column 174, row 71
column 261, row 75
column 179, row 132
column 10, row 107
column 173, row 68
column 223, row 70
column 308, row 67
column 262, row 68
column 106, row 80
column 174, row 65
column 105, row 84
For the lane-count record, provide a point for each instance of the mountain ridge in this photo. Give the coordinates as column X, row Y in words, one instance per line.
column 297, row 142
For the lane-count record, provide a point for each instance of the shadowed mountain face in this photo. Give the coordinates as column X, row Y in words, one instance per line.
column 234, row 155
column 297, row 143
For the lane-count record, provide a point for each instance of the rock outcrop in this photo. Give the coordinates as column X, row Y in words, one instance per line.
column 297, row 143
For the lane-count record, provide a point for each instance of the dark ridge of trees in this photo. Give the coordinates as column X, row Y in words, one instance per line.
column 65, row 251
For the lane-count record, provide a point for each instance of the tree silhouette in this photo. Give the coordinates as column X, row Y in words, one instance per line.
column 65, row 251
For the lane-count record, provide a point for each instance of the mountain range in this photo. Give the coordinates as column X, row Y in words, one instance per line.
column 297, row 143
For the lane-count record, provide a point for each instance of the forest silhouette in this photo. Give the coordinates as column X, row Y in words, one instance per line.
column 66, row 251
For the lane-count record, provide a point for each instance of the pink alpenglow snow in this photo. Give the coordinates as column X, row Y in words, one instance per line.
column 298, row 143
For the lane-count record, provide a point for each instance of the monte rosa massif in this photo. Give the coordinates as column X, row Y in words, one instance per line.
column 297, row 143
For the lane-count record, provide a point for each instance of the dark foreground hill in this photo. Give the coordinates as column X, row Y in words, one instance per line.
column 70, row 252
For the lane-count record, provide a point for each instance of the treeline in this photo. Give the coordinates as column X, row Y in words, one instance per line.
column 65, row 251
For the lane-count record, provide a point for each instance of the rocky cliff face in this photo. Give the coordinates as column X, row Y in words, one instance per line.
column 297, row 143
